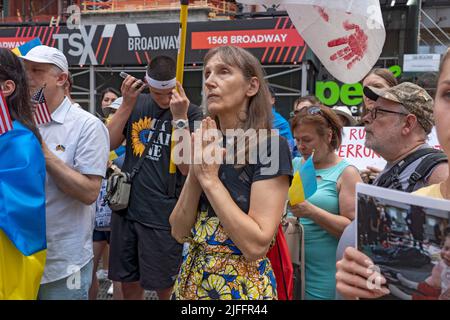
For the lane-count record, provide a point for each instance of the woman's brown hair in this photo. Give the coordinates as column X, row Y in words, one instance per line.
column 385, row 74
column 311, row 99
column 19, row 102
column 322, row 118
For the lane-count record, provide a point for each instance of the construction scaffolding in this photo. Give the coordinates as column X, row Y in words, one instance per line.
column 40, row 11
column 218, row 7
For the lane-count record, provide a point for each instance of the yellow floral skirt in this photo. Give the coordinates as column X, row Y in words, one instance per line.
column 213, row 268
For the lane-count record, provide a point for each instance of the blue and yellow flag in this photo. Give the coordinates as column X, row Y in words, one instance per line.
column 27, row 46
column 304, row 183
column 113, row 155
column 22, row 214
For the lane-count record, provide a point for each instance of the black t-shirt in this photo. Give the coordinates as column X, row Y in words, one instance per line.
column 238, row 180
column 150, row 203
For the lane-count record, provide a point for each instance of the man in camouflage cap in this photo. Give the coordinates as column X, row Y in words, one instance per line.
column 397, row 126
column 413, row 98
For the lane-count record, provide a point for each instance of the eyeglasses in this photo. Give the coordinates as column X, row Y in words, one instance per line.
column 374, row 112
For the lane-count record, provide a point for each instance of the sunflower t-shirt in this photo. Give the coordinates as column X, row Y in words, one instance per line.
column 150, row 203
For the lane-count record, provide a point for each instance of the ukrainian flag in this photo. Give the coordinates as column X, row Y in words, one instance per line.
column 304, row 183
column 27, row 46
column 22, row 214
column 113, row 155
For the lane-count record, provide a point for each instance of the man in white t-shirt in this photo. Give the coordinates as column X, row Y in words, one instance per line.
column 76, row 149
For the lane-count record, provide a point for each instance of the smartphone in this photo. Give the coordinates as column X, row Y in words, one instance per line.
column 124, row 75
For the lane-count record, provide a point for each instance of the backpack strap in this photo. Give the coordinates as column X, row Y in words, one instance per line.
column 390, row 179
column 425, row 167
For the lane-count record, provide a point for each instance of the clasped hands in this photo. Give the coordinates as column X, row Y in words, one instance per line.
column 207, row 153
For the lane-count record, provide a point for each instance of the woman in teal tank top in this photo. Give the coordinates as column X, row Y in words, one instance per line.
column 324, row 216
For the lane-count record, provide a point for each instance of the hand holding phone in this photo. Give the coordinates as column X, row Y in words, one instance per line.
column 131, row 89
column 124, row 75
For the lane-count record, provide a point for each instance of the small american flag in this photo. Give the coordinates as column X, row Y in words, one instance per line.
column 5, row 119
column 41, row 112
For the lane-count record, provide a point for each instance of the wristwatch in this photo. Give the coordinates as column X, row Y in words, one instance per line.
column 180, row 124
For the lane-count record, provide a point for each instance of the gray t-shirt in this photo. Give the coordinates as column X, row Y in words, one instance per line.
column 348, row 236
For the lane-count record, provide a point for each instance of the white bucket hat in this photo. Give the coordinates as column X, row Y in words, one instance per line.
column 345, row 112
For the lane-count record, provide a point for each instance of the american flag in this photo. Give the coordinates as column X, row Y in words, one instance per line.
column 41, row 112
column 5, row 119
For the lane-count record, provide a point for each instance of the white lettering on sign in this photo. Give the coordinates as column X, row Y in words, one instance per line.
column 260, row 38
column 11, row 44
column 152, row 43
column 80, row 44
column 247, row 39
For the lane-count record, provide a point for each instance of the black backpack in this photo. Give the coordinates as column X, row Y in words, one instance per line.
column 433, row 157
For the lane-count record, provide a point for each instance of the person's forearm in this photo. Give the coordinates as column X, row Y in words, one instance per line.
column 71, row 182
column 182, row 143
column 116, row 125
column 245, row 232
column 334, row 224
column 184, row 215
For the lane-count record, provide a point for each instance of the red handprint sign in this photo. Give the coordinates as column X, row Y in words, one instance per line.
column 356, row 45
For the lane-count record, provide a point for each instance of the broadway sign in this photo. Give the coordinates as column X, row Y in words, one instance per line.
column 273, row 41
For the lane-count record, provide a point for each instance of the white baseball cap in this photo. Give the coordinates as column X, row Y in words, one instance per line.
column 45, row 54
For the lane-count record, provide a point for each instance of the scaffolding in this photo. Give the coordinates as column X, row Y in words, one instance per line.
column 39, row 11
column 217, row 7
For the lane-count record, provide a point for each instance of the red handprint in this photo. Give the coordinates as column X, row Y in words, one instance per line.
column 356, row 45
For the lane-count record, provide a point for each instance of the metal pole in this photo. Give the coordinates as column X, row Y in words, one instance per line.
column 92, row 90
column 412, row 27
column 304, row 79
column 282, row 73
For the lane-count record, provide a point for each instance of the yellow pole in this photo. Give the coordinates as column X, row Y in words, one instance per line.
column 180, row 66
column 182, row 36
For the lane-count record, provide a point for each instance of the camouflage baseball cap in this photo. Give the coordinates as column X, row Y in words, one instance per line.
column 414, row 98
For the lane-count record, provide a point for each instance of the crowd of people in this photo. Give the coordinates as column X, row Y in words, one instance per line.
column 201, row 229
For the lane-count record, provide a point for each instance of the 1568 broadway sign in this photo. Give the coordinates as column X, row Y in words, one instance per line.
column 270, row 40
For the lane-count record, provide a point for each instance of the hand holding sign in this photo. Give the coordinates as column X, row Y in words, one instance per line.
column 369, row 174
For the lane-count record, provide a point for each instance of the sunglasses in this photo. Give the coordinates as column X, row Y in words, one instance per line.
column 310, row 110
column 313, row 111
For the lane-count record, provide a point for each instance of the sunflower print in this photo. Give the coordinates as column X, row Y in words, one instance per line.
column 206, row 227
column 139, row 135
column 214, row 268
column 214, row 287
column 248, row 289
